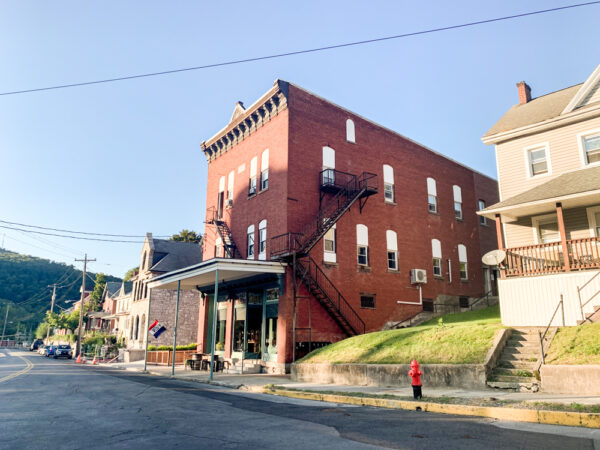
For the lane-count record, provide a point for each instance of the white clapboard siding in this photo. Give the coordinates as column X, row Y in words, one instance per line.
column 531, row 301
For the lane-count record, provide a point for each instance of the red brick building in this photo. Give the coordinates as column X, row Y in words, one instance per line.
column 298, row 185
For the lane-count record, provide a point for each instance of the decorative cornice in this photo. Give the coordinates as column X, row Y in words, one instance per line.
column 257, row 115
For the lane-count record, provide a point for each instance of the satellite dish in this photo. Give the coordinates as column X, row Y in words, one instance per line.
column 494, row 257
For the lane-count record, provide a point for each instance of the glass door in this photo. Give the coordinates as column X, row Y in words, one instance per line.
column 254, row 324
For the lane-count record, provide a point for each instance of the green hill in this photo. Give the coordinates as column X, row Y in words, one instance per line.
column 24, row 282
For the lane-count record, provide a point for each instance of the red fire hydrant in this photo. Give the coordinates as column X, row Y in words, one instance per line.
column 415, row 373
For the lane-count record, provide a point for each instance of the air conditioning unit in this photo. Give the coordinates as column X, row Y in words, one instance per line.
column 229, row 203
column 418, row 276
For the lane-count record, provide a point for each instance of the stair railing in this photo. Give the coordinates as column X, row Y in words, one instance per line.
column 560, row 305
column 579, row 289
column 485, row 296
column 310, row 271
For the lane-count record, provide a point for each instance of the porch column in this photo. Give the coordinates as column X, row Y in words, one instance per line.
column 500, row 240
column 214, row 324
column 175, row 328
column 563, row 237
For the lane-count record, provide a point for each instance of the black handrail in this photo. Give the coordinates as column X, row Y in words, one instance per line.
column 333, row 295
column 486, row 296
column 543, row 336
column 579, row 289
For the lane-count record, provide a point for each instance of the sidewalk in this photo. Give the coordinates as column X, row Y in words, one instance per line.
column 259, row 382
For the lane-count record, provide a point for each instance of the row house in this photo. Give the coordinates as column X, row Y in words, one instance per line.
column 548, row 219
column 322, row 224
column 158, row 257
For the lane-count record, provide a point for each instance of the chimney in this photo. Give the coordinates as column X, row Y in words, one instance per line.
column 524, row 92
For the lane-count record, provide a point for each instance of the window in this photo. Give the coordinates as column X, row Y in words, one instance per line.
column 230, row 189
column 436, row 252
column 481, row 207
column 392, row 249
column 218, row 248
column 252, row 181
column 367, row 301
column 538, row 164
column 328, row 166
column 264, row 170
column 329, row 246
column 262, row 240
column 593, row 215
column 350, row 135
column 221, row 327
column 432, row 196
column 388, row 183
column 221, row 197
column 457, row 202
column 462, row 260
column 362, row 242
column 250, row 241
column 545, row 229
column 591, row 148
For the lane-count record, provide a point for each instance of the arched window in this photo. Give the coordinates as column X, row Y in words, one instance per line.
column 436, row 252
column 264, row 170
column 221, row 197
column 462, row 261
column 250, row 243
column 252, row 181
column 262, row 240
column 230, row 189
column 328, row 166
column 392, row 249
column 137, row 327
column 350, row 135
column 362, row 244
column 432, row 196
column 388, row 183
column 458, row 213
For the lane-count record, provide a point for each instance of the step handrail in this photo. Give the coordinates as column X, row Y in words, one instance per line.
column 486, row 296
column 325, row 284
column 579, row 289
column 543, row 336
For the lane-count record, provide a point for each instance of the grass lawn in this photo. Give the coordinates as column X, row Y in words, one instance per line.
column 576, row 345
column 463, row 338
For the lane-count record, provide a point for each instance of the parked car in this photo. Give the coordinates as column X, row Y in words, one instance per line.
column 63, row 351
column 50, row 350
column 43, row 350
column 35, row 345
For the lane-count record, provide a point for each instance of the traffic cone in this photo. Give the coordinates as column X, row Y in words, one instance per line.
column 94, row 362
column 83, row 360
column 78, row 360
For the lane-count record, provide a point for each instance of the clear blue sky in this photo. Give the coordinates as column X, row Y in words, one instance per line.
column 125, row 157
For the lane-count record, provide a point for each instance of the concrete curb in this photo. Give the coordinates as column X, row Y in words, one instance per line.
column 573, row 419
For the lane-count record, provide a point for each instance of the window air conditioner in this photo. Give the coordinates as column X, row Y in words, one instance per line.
column 418, row 276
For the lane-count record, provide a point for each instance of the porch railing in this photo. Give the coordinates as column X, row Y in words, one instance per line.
column 549, row 257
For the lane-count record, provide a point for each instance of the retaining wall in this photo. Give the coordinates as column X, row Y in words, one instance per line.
column 572, row 379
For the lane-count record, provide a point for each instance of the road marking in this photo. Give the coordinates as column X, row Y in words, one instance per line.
column 2, row 355
column 27, row 368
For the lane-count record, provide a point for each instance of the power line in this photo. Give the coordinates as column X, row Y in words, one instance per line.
column 75, row 232
column 305, row 51
column 70, row 237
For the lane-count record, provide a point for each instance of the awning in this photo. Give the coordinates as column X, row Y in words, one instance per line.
column 203, row 274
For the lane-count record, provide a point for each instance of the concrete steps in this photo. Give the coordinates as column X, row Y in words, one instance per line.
column 516, row 363
column 591, row 317
column 250, row 367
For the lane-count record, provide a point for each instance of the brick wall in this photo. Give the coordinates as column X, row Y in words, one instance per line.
column 162, row 308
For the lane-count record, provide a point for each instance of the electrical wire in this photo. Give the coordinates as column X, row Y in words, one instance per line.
column 305, row 51
column 71, row 237
column 75, row 232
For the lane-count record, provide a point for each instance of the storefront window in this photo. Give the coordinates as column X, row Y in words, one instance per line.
column 253, row 330
column 221, row 327
column 272, row 309
column 239, row 322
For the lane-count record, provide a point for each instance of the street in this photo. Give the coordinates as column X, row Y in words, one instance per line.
column 45, row 403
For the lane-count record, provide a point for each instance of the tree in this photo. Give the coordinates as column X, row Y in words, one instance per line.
column 96, row 295
column 131, row 273
column 187, row 236
column 41, row 330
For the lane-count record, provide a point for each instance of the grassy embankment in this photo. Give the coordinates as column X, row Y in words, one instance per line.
column 576, row 345
column 463, row 338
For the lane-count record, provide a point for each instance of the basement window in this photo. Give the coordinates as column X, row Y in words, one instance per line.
column 367, row 301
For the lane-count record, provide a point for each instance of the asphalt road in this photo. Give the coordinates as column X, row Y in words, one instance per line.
column 48, row 404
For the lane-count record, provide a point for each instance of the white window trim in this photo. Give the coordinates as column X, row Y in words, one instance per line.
column 262, row 255
column 249, row 232
column 528, row 174
column 328, row 255
column 535, row 225
column 580, row 138
column 591, row 212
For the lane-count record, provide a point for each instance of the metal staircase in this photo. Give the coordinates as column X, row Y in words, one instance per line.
column 321, row 287
column 347, row 189
column 231, row 250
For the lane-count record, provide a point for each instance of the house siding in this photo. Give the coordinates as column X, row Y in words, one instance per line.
column 565, row 156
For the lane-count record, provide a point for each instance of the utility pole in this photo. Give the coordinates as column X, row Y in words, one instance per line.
column 53, row 286
column 5, row 321
column 85, row 261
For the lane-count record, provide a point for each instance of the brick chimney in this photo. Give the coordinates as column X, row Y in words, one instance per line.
column 524, row 92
